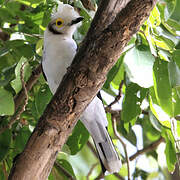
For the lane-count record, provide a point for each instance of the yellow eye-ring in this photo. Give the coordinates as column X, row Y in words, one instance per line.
column 59, row 22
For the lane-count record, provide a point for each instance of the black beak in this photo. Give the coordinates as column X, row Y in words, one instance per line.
column 77, row 20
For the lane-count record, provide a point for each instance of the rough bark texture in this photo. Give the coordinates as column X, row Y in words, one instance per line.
column 110, row 31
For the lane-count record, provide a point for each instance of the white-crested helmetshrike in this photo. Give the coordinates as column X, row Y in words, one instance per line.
column 59, row 51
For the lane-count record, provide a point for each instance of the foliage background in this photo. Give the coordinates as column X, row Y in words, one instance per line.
column 144, row 86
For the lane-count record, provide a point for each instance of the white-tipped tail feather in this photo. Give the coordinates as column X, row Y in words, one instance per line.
column 108, row 154
column 94, row 118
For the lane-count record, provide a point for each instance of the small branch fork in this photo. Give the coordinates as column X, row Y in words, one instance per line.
column 151, row 147
column 91, row 170
column 117, row 98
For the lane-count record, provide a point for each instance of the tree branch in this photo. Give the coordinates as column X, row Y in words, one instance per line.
column 151, row 147
column 109, row 33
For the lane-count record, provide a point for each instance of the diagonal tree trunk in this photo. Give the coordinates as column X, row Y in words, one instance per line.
column 113, row 25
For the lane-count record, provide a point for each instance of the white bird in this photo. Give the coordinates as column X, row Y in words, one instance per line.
column 59, row 51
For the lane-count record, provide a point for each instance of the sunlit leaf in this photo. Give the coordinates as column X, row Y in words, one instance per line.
column 139, row 66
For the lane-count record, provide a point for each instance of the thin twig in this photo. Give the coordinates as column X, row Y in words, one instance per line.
column 22, row 109
column 22, row 94
column 32, row 80
column 118, row 176
column 151, row 147
column 100, row 176
column 123, row 144
column 92, row 149
column 91, row 170
column 117, row 98
column 66, row 173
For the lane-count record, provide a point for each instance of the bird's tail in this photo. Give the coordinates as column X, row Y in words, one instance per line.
column 107, row 154
column 94, row 119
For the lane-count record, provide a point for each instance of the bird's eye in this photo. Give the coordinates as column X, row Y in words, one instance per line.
column 59, row 22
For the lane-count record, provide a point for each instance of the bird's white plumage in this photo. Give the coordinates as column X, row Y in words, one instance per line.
column 59, row 51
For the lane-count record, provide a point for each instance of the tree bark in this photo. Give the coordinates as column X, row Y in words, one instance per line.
column 113, row 25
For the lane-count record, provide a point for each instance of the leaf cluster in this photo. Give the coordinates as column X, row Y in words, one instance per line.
column 145, row 84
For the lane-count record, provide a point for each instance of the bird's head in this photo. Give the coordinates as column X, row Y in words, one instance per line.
column 65, row 20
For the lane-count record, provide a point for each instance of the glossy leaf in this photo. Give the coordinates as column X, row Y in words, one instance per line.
column 139, row 64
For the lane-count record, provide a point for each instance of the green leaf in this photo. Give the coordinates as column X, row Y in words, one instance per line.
column 2, row 176
column 3, row 51
column 119, row 75
column 42, row 99
column 176, row 101
column 175, row 57
column 169, row 8
column 115, row 73
column 170, row 150
column 134, row 96
column 158, row 112
column 151, row 133
column 175, row 14
column 6, row 15
column 16, row 83
column 7, row 75
column 21, row 139
column 78, row 138
column 6, row 103
column 174, row 74
column 139, row 66
column 128, row 134
column 162, row 86
column 154, row 121
column 155, row 17
column 5, row 141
